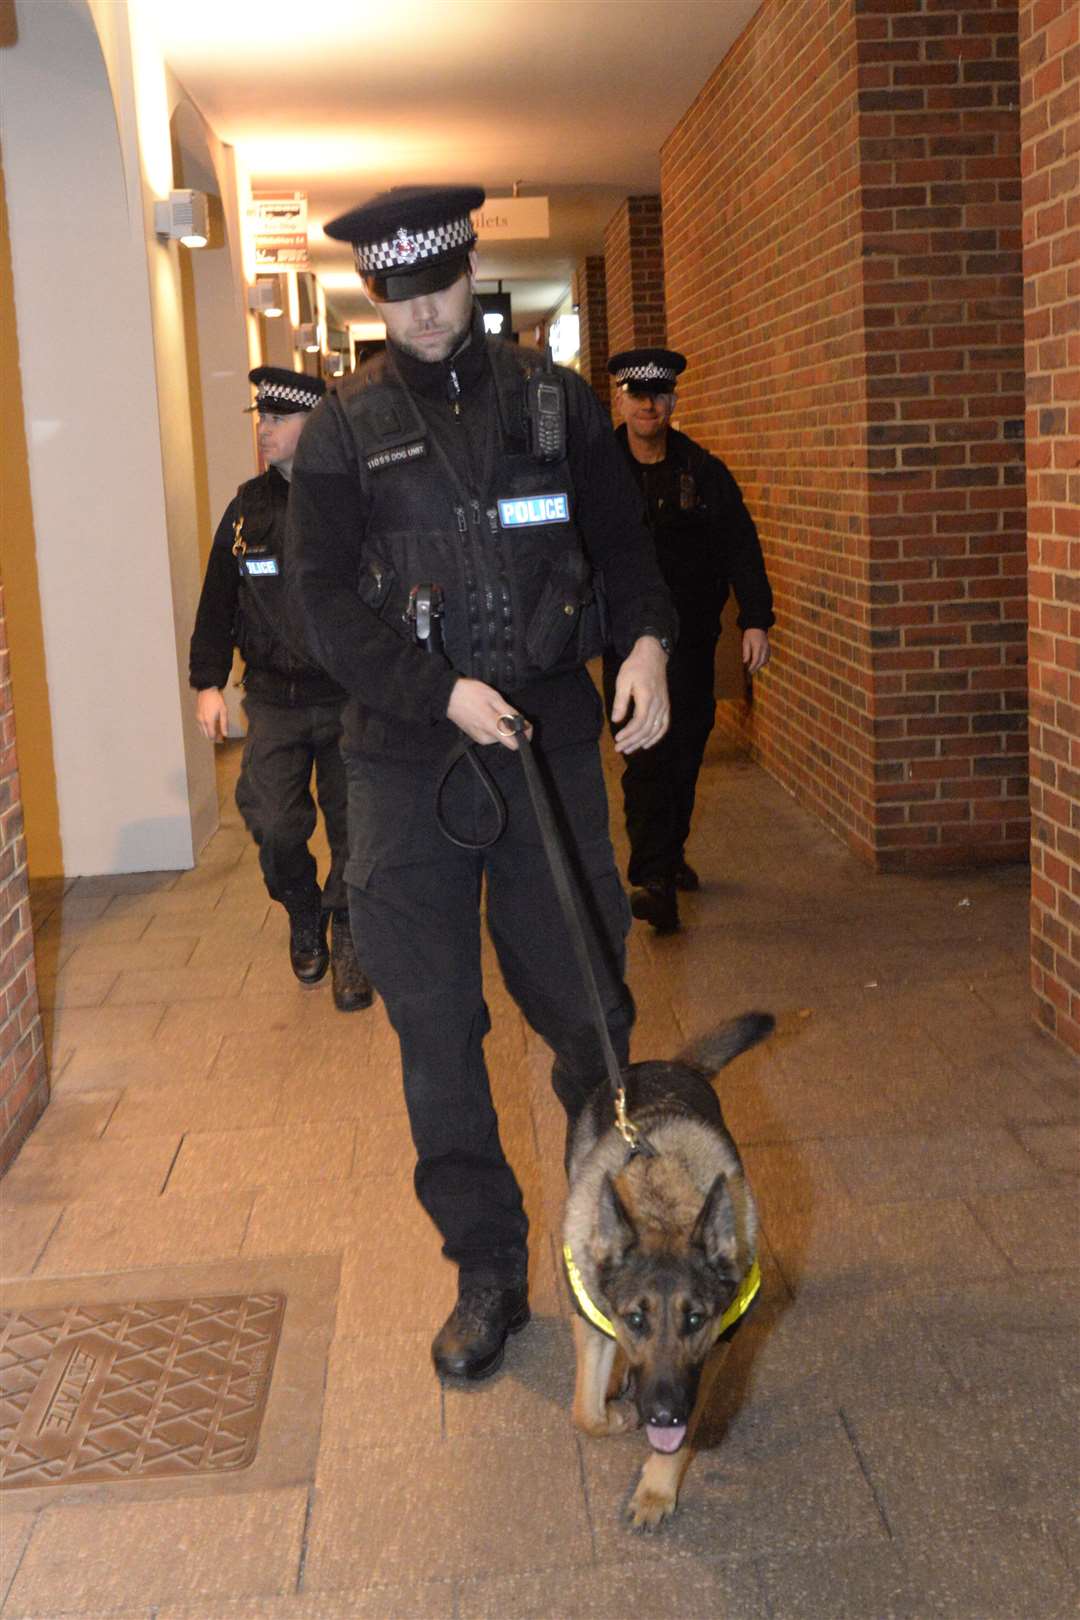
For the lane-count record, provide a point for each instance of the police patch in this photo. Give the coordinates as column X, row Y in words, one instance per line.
column 522, row 510
column 260, row 565
column 399, row 453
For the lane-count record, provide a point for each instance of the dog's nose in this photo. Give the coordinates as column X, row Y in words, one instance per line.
column 664, row 1416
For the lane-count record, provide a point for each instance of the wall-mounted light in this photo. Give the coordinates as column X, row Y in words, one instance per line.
column 308, row 337
column 264, row 297
column 334, row 365
column 184, row 218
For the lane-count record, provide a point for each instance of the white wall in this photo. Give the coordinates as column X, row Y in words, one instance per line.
column 107, row 472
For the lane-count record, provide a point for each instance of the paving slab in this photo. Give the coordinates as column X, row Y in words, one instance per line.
column 25, row 1229
column 429, row 1600
column 370, row 1503
column 102, row 1235
column 101, row 1557
column 103, row 1066
column 210, row 1162
column 610, row 1591
column 66, row 1170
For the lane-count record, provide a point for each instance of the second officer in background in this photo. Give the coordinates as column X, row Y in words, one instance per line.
column 706, row 543
column 293, row 707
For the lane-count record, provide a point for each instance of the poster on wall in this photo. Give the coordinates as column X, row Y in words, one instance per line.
column 277, row 221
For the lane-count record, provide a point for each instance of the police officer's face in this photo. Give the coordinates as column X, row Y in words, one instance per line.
column 432, row 326
column 646, row 415
column 279, row 436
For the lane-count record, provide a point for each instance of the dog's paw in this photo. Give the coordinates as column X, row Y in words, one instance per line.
column 622, row 1416
column 648, row 1508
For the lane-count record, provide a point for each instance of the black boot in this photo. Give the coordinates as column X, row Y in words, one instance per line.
column 686, row 879
column 471, row 1342
column 308, row 951
column 352, row 989
column 655, row 903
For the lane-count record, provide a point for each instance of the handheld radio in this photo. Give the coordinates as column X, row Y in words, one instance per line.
column 545, row 411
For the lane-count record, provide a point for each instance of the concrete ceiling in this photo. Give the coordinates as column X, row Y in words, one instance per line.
column 342, row 98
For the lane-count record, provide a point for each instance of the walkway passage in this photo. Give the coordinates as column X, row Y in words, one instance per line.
column 896, row 1439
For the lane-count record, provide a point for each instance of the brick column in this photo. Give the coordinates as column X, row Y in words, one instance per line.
column 851, row 308
column 24, row 1083
column 590, row 296
column 634, row 258
column 1050, row 99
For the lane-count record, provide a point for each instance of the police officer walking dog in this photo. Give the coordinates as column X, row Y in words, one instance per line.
column 476, row 496
column 706, row 543
column 293, row 707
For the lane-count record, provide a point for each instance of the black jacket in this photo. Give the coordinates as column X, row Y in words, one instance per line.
column 706, row 542
column 238, row 609
column 440, row 495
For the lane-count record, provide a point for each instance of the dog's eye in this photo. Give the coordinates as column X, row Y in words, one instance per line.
column 635, row 1321
column 694, row 1321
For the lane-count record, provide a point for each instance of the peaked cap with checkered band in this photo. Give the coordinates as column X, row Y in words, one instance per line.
column 411, row 240
column 282, row 393
column 647, row 371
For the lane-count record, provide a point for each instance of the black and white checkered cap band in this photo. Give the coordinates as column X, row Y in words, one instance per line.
column 650, row 372
column 408, row 248
column 275, row 393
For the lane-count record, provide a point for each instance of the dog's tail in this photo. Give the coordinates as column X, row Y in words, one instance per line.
column 712, row 1052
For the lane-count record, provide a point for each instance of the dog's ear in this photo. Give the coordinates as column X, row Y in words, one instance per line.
column 714, row 1230
column 615, row 1234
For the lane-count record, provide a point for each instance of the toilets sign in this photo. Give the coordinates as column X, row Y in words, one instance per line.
column 277, row 222
column 509, row 219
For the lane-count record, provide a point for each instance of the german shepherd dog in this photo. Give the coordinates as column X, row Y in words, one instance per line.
column 660, row 1253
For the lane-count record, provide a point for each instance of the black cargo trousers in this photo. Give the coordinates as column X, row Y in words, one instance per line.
column 659, row 784
column 284, row 744
column 414, row 901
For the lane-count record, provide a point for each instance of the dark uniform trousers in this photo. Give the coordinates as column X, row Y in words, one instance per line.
column 659, row 783
column 273, row 794
column 413, row 899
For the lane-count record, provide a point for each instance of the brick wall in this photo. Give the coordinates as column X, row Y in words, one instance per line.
column 763, row 270
column 24, row 1085
column 590, row 296
column 842, row 218
column 634, row 260
column 1050, row 68
column 942, row 293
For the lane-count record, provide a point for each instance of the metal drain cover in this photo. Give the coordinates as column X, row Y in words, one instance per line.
column 149, row 1390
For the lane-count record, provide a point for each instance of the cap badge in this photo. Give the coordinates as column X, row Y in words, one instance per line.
column 406, row 248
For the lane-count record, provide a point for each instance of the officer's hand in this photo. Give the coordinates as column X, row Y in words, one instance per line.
column 755, row 650
column 476, row 709
column 211, row 714
column 642, row 678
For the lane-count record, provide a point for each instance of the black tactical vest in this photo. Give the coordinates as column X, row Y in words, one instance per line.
column 275, row 667
column 517, row 588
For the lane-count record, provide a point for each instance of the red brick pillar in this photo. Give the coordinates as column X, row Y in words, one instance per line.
column 590, row 296
column 1050, row 99
column 851, row 307
column 634, row 260
column 24, row 1083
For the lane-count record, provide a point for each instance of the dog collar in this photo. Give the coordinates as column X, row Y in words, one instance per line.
column 738, row 1308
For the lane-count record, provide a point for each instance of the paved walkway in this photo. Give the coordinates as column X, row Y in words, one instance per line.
column 897, row 1434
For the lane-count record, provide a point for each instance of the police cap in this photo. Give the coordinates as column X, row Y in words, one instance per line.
column 282, row 393
column 410, row 240
column 647, row 371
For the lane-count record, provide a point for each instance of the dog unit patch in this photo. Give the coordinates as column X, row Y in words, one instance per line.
column 523, row 510
column 396, row 455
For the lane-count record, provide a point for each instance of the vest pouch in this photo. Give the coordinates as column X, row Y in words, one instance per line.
column 375, row 585
column 558, row 612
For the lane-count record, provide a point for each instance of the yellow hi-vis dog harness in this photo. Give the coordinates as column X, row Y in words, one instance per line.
column 730, row 1320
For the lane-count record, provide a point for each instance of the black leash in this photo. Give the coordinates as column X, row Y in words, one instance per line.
column 576, row 922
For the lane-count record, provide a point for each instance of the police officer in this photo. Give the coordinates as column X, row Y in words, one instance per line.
column 293, row 707
column 454, row 472
column 706, row 543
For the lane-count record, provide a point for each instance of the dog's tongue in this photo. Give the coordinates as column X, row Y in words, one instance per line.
column 665, row 1438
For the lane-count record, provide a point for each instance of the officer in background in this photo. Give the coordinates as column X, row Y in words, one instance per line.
column 706, row 543
column 475, row 497
column 293, row 707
